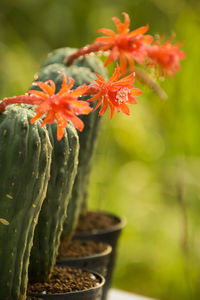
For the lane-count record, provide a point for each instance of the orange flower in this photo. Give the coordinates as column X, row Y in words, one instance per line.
column 62, row 106
column 124, row 45
column 168, row 56
column 115, row 94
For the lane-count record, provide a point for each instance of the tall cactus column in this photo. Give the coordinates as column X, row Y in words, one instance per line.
column 87, row 136
column 25, row 157
column 54, row 209
column 82, row 70
column 80, row 189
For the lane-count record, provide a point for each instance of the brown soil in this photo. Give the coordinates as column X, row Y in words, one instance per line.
column 77, row 248
column 95, row 221
column 65, row 280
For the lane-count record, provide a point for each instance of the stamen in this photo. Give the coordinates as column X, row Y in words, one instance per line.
column 122, row 95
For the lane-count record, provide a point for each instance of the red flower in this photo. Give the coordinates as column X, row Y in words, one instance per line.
column 168, row 56
column 115, row 94
column 124, row 45
column 62, row 106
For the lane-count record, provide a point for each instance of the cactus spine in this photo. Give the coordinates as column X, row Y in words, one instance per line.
column 25, row 157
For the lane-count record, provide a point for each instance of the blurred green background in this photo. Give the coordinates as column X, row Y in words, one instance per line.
column 147, row 166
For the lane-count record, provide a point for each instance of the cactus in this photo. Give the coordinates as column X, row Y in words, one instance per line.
column 59, row 56
column 82, row 71
column 25, row 157
column 54, row 208
column 80, row 189
column 87, row 139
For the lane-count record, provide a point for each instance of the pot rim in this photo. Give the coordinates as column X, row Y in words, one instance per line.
column 121, row 224
column 106, row 252
column 101, row 284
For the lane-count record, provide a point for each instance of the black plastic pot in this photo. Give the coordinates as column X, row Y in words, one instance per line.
column 90, row 294
column 109, row 236
column 96, row 263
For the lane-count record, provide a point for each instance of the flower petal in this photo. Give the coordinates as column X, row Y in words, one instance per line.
column 108, row 60
column 128, row 80
column 118, row 24
column 112, row 109
column 114, row 54
column 44, row 86
column 123, row 63
column 107, row 31
column 104, row 39
column 78, row 123
column 138, row 31
column 52, row 86
column 78, row 91
column 99, row 103
column 100, row 77
column 136, row 92
column 115, row 75
column 126, row 22
column 38, row 116
column 131, row 61
column 97, row 96
column 38, row 93
column 104, row 107
column 124, row 108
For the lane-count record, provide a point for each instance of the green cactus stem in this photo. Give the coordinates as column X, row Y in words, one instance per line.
column 54, row 208
column 78, row 201
column 91, row 61
column 25, row 157
column 81, row 75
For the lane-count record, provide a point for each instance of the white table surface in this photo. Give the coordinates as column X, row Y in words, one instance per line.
column 121, row 295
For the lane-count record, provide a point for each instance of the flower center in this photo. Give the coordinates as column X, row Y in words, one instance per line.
column 122, row 95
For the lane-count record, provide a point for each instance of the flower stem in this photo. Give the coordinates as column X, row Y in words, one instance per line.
column 83, row 51
column 146, row 79
column 24, row 99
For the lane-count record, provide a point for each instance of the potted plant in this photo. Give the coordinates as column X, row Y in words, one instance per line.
column 56, row 97
column 59, row 177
